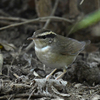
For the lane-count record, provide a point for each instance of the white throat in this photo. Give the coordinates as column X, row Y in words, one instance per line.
column 44, row 49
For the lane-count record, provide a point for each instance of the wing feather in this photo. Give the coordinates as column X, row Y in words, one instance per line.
column 71, row 47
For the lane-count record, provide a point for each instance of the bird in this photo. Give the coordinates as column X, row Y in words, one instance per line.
column 54, row 50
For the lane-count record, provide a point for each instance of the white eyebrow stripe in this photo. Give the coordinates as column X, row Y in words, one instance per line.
column 46, row 33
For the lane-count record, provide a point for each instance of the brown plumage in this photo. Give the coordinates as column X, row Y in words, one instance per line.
column 55, row 50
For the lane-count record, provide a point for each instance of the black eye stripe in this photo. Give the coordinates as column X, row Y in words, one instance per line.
column 47, row 36
column 50, row 35
column 42, row 37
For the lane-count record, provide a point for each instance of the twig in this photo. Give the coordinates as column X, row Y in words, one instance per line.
column 81, row 2
column 3, row 22
column 13, row 18
column 29, row 46
column 25, row 95
column 57, row 92
column 42, row 19
column 1, row 63
column 11, row 96
column 53, row 11
column 31, row 94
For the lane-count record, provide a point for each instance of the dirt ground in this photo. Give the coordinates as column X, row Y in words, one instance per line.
column 22, row 75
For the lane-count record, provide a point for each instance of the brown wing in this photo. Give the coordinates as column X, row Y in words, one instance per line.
column 71, row 47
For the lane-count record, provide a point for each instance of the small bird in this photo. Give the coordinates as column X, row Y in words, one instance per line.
column 54, row 50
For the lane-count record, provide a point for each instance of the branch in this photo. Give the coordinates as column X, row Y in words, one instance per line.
column 41, row 19
column 53, row 11
column 12, row 18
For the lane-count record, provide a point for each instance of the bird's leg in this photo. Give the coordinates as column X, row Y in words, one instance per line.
column 64, row 71
column 48, row 76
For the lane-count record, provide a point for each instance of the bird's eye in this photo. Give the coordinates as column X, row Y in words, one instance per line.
column 50, row 41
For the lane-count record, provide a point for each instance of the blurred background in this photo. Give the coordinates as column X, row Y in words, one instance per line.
column 19, row 11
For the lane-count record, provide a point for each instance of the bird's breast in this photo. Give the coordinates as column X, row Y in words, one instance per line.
column 47, row 57
column 43, row 54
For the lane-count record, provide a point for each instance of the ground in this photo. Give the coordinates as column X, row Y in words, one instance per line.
column 22, row 75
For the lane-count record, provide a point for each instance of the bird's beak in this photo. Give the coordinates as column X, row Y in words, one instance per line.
column 30, row 38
